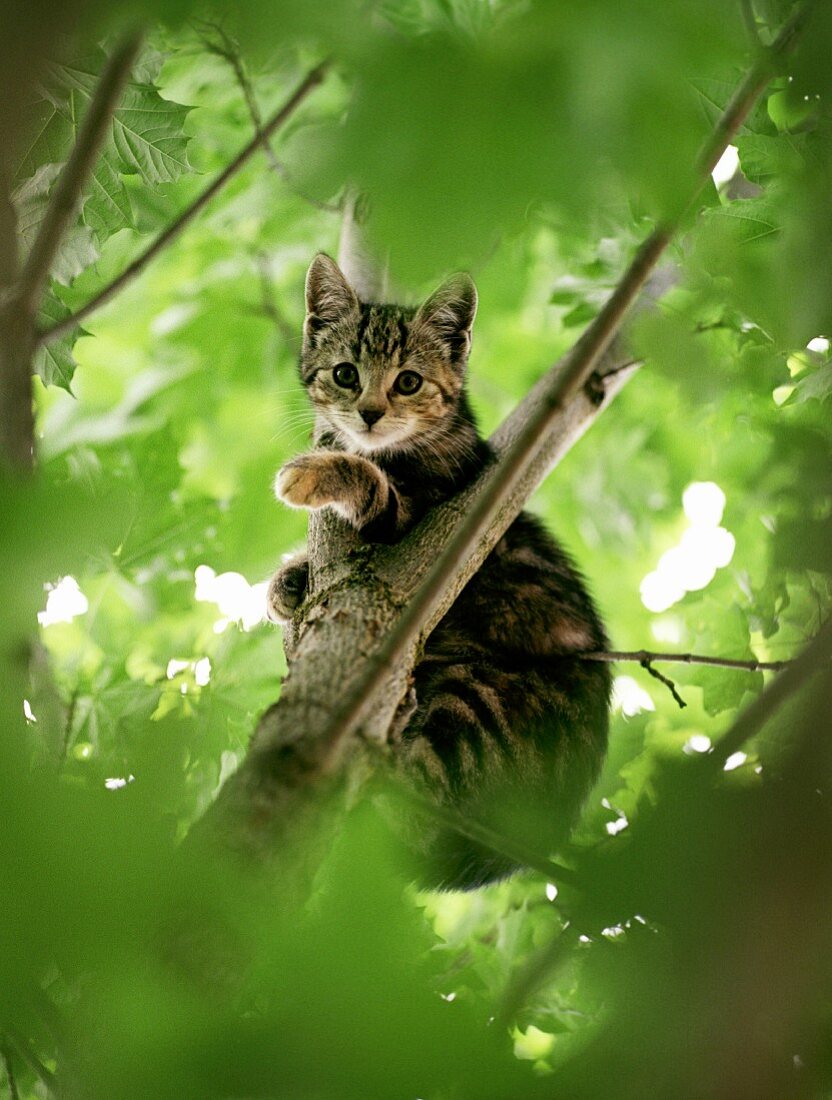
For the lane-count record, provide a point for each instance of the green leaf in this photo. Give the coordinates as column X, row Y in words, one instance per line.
column 107, row 208
column 763, row 156
column 53, row 361
column 78, row 247
column 149, row 64
column 148, row 136
column 716, row 92
column 724, row 688
column 750, row 219
column 50, row 140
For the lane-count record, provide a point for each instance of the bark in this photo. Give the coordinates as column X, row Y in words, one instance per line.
column 17, row 425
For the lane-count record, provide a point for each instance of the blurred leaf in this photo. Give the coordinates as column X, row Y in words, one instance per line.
column 816, row 386
column 78, row 247
column 53, row 361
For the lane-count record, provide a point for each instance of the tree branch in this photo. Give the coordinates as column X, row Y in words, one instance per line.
column 66, row 195
column 19, row 303
column 229, row 51
column 17, row 422
column 167, row 236
column 641, row 655
column 645, row 658
column 372, row 607
column 668, row 683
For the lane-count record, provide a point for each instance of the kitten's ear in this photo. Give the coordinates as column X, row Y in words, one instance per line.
column 449, row 313
column 329, row 297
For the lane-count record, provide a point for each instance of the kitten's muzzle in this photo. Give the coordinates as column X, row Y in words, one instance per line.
column 371, row 416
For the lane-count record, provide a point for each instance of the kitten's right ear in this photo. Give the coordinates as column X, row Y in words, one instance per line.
column 329, row 297
column 449, row 313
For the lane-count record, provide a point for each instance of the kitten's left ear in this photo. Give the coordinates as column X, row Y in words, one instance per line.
column 329, row 297
column 449, row 312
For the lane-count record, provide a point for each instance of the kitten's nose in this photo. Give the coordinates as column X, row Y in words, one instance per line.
column 370, row 416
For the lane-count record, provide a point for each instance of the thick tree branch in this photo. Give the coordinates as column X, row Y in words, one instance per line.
column 66, row 195
column 312, row 79
column 371, row 610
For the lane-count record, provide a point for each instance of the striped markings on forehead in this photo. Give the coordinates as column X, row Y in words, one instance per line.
column 381, row 331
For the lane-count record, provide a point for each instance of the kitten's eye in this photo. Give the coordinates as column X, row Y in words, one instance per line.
column 408, row 382
column 346, row 376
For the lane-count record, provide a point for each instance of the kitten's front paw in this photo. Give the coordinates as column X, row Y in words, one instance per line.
column 351, row 484
column 307, row 482
column 287, row 590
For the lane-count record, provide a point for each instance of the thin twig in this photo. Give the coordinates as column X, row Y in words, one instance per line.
column 621, row 368
column 229, row 51
column 66, row 196
column 167, row 236
column 765, row 706
column 642, row 655
column 668, row 683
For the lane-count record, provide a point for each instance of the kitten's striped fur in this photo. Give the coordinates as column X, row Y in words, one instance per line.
column 507, row 725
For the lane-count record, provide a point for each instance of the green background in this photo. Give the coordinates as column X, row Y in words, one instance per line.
column 534, row 145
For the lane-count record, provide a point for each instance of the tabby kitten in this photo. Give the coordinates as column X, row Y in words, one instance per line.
column 509, row 727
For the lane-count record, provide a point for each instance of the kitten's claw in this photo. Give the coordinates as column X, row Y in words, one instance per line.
column 287, row 590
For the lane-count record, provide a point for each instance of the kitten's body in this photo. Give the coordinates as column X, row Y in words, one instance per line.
column 508, row 726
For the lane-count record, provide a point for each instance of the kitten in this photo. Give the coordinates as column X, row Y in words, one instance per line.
column 508, row 726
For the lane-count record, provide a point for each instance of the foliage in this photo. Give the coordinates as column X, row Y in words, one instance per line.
column 534, row 144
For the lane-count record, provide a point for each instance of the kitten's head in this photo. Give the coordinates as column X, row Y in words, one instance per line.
column 382, row 375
